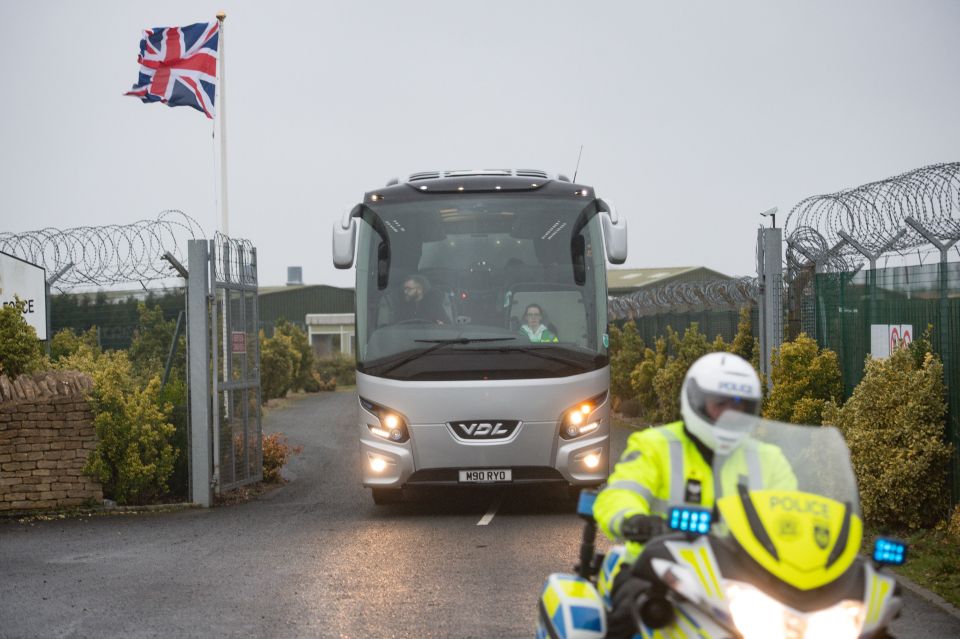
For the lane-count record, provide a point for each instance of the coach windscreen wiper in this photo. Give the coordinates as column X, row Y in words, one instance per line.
column 440, row 343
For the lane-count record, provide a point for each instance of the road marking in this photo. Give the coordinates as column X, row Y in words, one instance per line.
column 486, row 519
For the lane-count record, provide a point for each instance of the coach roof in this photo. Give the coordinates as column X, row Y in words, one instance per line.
column 426, row 183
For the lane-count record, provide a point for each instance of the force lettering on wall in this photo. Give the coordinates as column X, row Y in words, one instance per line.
column 28, row 305
column 26, row 281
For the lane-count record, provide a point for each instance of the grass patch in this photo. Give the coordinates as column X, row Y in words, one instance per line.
column 633, row 423
column 933, row 561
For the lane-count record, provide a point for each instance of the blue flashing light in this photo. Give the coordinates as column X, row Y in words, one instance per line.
column 585, row 503
column 891, row 552
column 689, row 519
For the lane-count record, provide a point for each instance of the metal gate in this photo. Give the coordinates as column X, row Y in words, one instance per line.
column 226, row 441
column 235, row 354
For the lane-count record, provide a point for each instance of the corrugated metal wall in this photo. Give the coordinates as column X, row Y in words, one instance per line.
column 295, row 302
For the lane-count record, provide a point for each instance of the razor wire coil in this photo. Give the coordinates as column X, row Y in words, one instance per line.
column 875, row 216
column 236, row 260
column 106, row 255
column 685, row 296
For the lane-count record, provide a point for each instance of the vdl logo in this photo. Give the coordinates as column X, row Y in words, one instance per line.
column 484, row 430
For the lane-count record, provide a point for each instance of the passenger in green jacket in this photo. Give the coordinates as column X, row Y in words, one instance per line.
column 533, row 326
column 672, row 465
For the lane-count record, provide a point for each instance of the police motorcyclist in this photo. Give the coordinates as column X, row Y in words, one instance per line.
column 672, row 464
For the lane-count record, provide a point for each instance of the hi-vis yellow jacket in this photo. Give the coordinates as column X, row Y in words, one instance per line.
column 662, row 467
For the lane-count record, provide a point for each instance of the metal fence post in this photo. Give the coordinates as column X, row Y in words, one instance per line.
column 198, row 347
column 770, row 244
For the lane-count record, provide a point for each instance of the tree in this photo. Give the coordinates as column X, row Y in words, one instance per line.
column 804, row 380
column 894, row 424
column 669, row 380
column 20, row 351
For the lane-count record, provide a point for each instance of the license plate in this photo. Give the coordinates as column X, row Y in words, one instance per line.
column 485, row 476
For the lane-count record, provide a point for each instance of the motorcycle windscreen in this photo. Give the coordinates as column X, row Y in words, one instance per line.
column 795, row 510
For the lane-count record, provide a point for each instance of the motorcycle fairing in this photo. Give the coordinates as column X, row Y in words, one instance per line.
column 570, row 608
column 882, row 600
column 804, row 539
column 698, row 558
column 609, row 569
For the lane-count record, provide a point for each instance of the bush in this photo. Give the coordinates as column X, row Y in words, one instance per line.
column 804, row 378
column 744, row 343
column 278, row 361
column 66, row 342
column 276, row 454
column 626, row 352
column 630, row 408
column 641, row 378
column 20, row 350
column 312, row 385
column 151, row 342
column 303, row 364
column 953, row 525
column 894, row 424
column 134, row 457
column 337, row 369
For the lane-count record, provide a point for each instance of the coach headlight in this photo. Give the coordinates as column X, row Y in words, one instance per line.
column 390, row 425
column 581, row 419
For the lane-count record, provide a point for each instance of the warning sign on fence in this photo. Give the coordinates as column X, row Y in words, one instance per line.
column 238, row 339
column 886, row 338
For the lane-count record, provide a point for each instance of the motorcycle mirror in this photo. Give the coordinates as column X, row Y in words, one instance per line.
column 889, row 551
column 689, row 519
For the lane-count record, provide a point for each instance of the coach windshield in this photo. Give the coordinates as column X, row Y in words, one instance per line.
column 481, row 286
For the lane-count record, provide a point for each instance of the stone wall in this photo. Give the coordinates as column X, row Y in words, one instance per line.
column 46, row 433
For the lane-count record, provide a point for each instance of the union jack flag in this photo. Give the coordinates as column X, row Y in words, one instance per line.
column 178, row 66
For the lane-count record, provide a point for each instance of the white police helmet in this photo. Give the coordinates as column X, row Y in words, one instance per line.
column 714, row 383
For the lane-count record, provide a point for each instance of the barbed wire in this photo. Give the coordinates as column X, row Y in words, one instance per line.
column 685, row 296
column 875, row 216
column 105, row 255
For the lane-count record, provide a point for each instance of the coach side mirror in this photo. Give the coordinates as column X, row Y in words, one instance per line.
column 614, row 233
column 344, row 240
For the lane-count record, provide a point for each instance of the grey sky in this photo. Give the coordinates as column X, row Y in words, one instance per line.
column 694, row 116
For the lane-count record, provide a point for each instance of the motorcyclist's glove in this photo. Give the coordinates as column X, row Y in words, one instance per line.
column 641, row 528
column 621, row 621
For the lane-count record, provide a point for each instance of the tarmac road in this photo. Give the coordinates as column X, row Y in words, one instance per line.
column 312, row 558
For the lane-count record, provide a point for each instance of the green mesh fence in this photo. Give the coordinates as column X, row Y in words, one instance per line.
column 113, row 315
column 852, row 313
column 711, row 324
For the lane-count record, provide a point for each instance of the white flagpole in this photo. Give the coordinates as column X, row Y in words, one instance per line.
column 221, row 110
column 222, row 116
